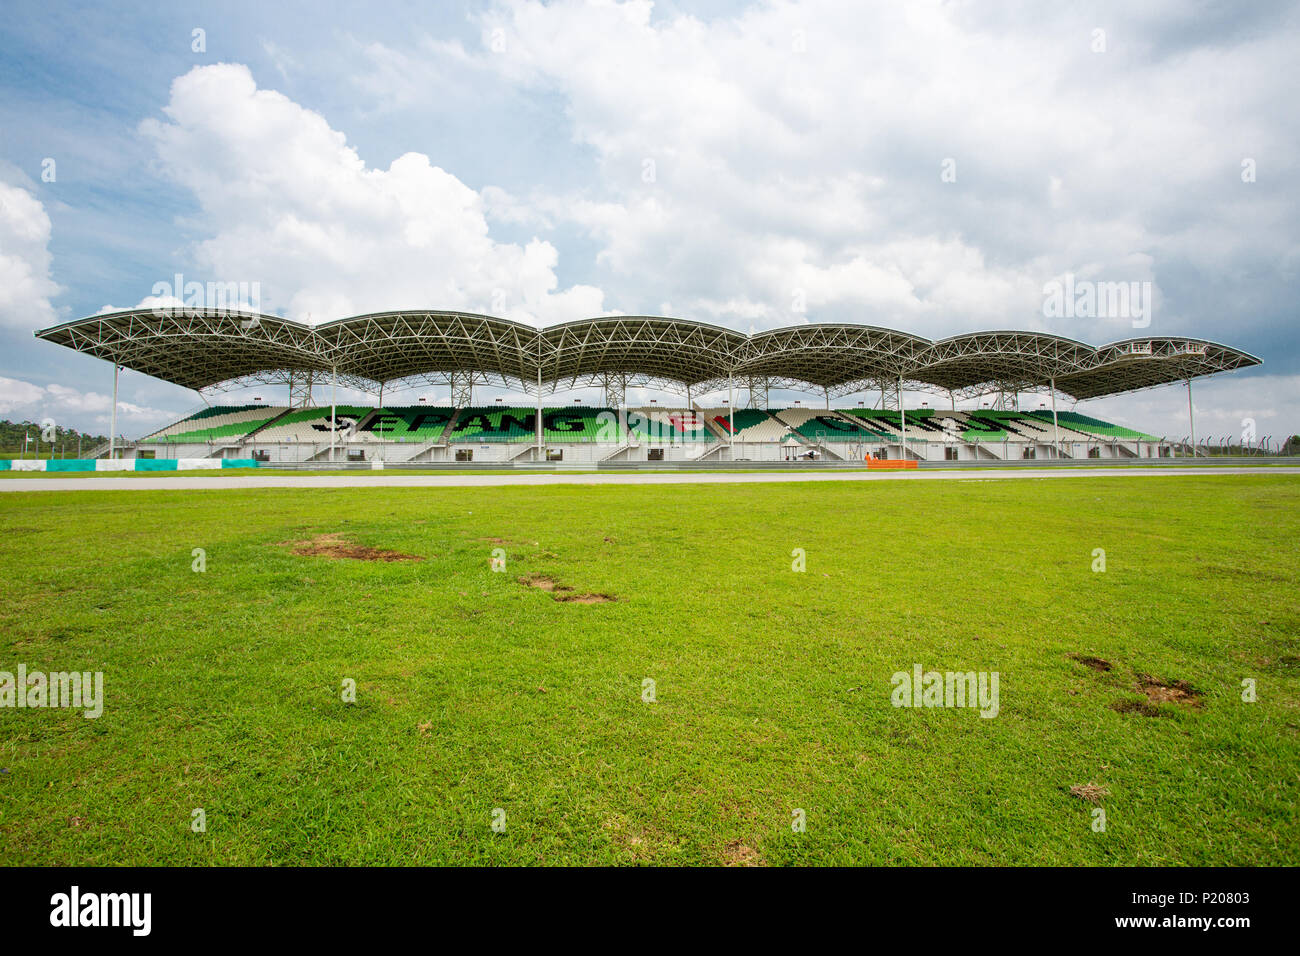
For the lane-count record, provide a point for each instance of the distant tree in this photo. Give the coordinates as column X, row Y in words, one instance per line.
column 17, row 437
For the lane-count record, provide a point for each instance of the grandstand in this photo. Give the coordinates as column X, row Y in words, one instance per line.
column 211, row 351
column 411, row 424
column 580, row 433
column 748, row 426
column 216, row 424
column 660, row 426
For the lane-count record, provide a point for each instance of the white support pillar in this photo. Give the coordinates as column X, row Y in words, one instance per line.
column 334, row 420
column 540, row 455
column 1056, row 430
column 902, row 414
column 1191, row 416
column 112, row 426
column 731, row 417
column 381, row 394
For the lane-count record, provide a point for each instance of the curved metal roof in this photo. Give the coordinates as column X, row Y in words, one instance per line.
column 839, row 358
column 639, row 349
column 965, row 363
column 193, row 348
column 203, row 349
column 390, row 346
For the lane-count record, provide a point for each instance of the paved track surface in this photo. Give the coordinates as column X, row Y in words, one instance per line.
column 379, row 480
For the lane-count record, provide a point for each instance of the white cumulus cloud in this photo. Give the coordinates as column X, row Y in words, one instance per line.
column 25, row 284
column 291, row 206
column 27, row 401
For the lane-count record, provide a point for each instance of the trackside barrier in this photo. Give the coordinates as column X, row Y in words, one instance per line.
column 125, row 464
column 888, row 464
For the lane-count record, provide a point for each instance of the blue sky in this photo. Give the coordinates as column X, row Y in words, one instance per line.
column 749, row 165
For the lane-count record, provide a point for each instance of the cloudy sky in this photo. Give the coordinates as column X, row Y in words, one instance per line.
column 929, row 166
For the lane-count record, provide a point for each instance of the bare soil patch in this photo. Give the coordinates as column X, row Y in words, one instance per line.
column 563, row 592
column 1128, row 706
column 1159, row 691
column 337, row 547
column 1096, row 663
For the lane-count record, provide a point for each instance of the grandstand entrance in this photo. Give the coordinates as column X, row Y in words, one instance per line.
column 464, row 454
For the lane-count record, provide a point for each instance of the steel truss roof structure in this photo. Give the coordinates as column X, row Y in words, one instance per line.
column 214, row 350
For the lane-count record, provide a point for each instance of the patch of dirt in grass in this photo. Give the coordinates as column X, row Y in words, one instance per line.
column 335, row 546
column 542, row 583
column 586, row 598
column 736, row 853
column 1092, row 792
column 563, row 592
column 1096, row 663
column 1160, row 691
column 1128, row 706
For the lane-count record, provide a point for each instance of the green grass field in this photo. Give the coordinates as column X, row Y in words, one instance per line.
column 477, row 691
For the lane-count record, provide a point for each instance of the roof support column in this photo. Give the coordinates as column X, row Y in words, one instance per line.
column 462, row 389
column 902, row 414
column 300, row 389
column 334, row 419
column 1056, row 429
column 1191, row 416
column 112, row 427
column 731, row 412
column 615, row 389
column 538, row 423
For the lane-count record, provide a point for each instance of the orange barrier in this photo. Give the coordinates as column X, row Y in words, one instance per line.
column 890, row 463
